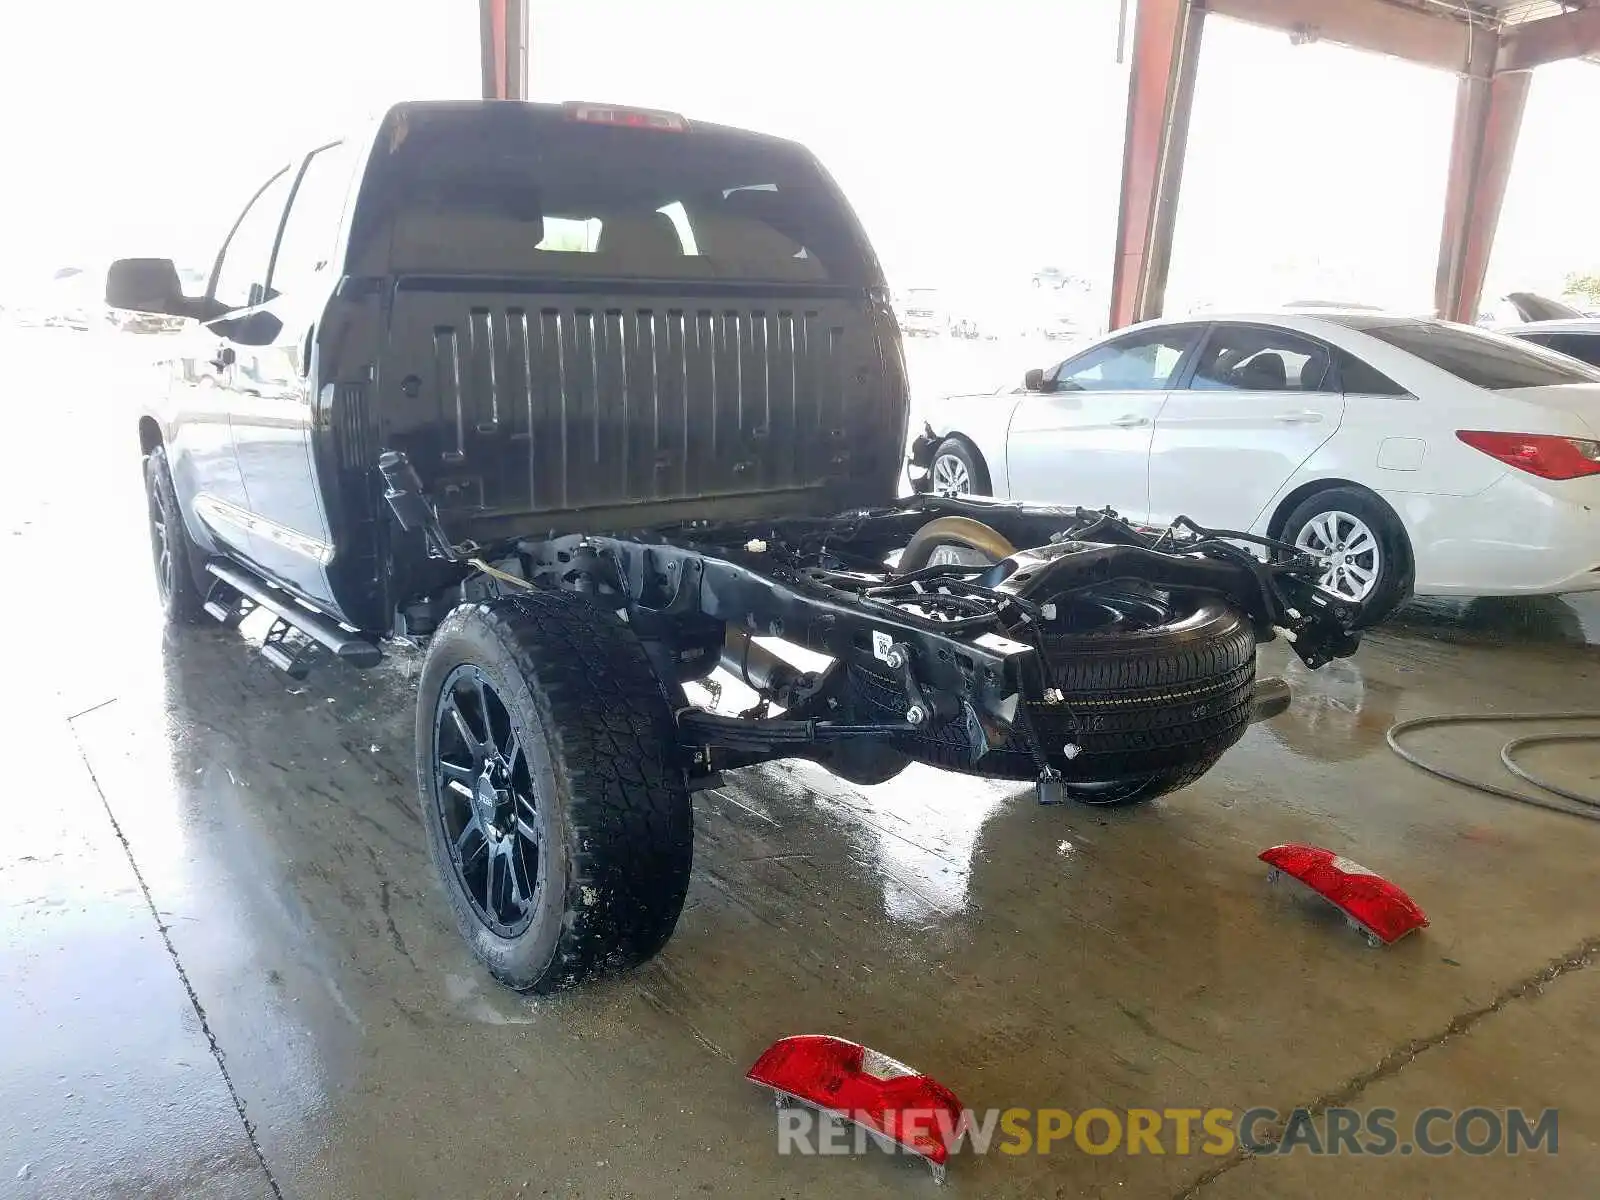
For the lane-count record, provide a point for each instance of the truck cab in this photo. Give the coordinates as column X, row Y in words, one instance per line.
column 566, row 316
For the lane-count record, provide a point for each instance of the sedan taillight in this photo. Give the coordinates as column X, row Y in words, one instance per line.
column 1547, row 455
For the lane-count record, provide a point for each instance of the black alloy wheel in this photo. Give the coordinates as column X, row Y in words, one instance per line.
column 552, row 788
column 172, row 554
column 160, row 542
column 489, row 807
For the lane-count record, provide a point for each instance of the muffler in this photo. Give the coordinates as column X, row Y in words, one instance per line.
column 1271, row 697
column 760, row 669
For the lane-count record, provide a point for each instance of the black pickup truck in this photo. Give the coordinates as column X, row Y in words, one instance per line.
column 592, row 401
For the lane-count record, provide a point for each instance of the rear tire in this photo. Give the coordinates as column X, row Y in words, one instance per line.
column 1348, row 514
column 172, row 552
column 588, row 814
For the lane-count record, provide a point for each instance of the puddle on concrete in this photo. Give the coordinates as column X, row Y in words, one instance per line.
column 1572, row 620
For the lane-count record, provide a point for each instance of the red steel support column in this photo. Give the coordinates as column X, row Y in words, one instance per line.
column 1166, row 53
column 502, row 37
column 1488, row 120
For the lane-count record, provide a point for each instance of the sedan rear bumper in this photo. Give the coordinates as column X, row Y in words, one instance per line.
column 1520, row 536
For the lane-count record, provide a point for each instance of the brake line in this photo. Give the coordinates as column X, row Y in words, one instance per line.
column 1590, row 810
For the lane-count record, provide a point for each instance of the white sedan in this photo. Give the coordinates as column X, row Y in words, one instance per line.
column 1410, row 454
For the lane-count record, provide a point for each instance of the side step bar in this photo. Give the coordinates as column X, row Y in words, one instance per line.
column 325, row 631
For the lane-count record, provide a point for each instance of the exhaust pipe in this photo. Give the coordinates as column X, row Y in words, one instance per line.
column 1272, row 697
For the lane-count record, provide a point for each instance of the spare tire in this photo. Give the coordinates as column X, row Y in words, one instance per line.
column 1154, row 686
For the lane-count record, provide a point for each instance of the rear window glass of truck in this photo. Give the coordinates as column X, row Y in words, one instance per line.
column 518, row 192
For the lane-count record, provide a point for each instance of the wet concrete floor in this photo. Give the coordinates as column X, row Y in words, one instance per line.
column 226, row 968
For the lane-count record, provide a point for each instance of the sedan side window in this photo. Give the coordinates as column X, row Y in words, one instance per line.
column 241, row 277
column 1251, row 358
column 1358, row 379
column 1141, row 362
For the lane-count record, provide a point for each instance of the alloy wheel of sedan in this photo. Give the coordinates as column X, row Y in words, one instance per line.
column 950, row 475
column 1351, row 557
column 487, row 802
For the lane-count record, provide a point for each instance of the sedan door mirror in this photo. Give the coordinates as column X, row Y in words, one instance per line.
column 1034, row 380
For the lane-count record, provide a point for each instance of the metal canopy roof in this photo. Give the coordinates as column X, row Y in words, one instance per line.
column 1491, row 44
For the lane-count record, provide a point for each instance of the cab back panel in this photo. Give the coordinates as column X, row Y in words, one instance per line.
column 526, row 409
column 590, row 326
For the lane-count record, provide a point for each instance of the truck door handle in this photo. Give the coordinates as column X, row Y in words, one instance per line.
column 1130, row 421
column 1304, row 417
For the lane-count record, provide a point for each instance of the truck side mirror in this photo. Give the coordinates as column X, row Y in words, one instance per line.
column 146, row 285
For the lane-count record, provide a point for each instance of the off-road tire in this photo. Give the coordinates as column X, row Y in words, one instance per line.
column 181, row 601
column 595, row 723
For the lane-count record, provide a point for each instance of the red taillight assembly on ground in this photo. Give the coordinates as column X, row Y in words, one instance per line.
column 872, row 1090
column 628, row 118
column 1373, row 905
column 1546, row 455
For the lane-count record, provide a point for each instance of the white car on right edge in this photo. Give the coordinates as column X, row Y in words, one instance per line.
column 1577, row 337
column 1408, row 453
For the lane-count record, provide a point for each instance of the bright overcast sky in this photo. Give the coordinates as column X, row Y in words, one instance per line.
column 978, row 143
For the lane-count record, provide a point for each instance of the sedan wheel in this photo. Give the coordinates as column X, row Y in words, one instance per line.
column 950, row 475
column 1351, row 557
column 958, row 469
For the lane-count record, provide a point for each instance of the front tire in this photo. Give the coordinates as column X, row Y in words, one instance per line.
column 552, row 793
column 958, row 469
column 172, row 552
column 1366, row 555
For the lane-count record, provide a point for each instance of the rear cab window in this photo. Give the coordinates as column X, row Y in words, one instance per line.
column 1487, row 360
column 534, row 192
